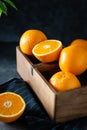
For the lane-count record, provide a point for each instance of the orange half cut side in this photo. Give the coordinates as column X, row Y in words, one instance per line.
column 12, row 106
column 48, row 50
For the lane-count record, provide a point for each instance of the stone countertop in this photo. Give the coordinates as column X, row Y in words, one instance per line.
column 8, row 61
column 13, row 126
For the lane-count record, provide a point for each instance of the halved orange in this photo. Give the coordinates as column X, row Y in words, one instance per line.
column 47, row 50
column 62, row 81
column 12, row 106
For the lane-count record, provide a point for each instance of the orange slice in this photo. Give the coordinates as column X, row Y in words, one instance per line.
column 12, row 106
column 48, row 50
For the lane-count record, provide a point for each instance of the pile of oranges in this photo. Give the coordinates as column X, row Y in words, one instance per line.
column 71, row 59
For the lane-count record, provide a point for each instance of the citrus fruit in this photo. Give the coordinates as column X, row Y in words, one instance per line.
column 47, row 51
column 29, row 39
column 73, row 59
column 62, row 81
column 80, row 42
column 12, row 106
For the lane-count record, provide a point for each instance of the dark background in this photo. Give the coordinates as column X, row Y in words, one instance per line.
column 64, row 20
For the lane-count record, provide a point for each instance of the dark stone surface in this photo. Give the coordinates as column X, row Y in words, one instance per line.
column 7, row 61
column 13, row 126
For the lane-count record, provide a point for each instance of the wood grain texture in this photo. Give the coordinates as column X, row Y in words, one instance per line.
column 37, row 82
column 46, row 66
column 71, row 104
column 61, row 106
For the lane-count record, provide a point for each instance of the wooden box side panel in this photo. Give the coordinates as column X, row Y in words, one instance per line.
column 22, row 65
column 71, row 104
column 44, row 93
column 37, row 83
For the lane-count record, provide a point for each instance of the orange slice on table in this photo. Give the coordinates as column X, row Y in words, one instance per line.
column 12, row 106
column 48, row 50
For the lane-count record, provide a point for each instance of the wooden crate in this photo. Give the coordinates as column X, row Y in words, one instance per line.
column 60, row 106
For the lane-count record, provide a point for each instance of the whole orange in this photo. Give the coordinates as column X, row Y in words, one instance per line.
column 73, row 59
column 80, row 42
column 62, row 81
column 29, row 39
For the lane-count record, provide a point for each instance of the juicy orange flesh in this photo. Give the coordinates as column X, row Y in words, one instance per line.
column 10, row 104
column 46, row 47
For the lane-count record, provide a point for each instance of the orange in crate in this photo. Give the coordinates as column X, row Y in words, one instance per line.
column 47, row 51
column 73, row 59
column 80, row 42
column 29, row 39
column 62, row 81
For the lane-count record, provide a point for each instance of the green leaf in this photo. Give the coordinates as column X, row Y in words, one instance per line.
column 3, row 8
column 0, row 11
column 11, row 4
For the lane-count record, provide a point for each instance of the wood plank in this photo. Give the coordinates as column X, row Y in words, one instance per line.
column 46, row 66
column 71, row 104
column 37, row 83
